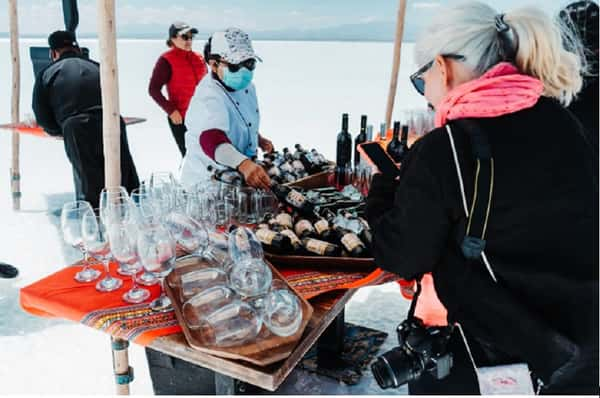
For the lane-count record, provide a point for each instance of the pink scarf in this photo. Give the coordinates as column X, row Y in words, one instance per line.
column 499, row 91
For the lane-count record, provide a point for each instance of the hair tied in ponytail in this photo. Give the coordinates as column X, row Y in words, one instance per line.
column 501, row 26
column 509, row 42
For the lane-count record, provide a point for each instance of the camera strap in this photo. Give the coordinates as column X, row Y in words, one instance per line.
column 502, row 379
column 473, row 242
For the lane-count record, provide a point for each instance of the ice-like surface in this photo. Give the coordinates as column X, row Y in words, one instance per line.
column 303, row 88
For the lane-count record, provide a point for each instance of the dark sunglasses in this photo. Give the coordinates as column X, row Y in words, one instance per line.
column 187, row 37
column 249, row 64
column 417, row 77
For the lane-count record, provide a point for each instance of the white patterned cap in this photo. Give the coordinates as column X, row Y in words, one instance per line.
column 233, row 45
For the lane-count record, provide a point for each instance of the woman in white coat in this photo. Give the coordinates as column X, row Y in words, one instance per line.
column 223, row 119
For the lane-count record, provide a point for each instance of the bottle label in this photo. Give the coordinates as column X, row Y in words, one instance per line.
column 295, row 198
column 266, row 236
column 285, row 220
column 302, row 226
column 262, row 226
column 295, row 240
column 351, row 241
column 317, row 246
column 321, row 226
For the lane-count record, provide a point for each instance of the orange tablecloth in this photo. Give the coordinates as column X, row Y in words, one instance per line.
column 23, row 128
column 59, row 295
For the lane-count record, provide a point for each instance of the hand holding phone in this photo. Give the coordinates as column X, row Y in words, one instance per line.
column 378, row 158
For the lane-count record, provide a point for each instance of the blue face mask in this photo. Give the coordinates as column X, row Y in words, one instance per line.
column 237, row 80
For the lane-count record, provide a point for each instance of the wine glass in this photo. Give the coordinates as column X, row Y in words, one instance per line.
column 232, row 324
column 71, row 218
column 95, row 239
column 161, row 177
column 146, row 214
column 119, row 213
column 190, row 234
column 123, row 245
column 111, row 196
column 156, row 249
column 281, row 310
column 250, row 278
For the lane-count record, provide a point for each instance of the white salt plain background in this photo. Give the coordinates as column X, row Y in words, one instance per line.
column 303, row 89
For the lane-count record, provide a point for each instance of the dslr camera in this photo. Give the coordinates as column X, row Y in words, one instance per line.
column 421, row 349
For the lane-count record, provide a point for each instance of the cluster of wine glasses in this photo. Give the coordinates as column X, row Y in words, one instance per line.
column 228, row 302
column 141, row 230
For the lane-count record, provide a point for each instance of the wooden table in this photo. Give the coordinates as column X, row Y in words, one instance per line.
column 229, row 375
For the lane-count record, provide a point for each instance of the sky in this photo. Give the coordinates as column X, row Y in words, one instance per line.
column 309, row 19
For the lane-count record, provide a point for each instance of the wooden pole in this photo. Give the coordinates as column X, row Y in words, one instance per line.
column 15, row 175
column 123, row 373
column 396, row 62
column 109, row 81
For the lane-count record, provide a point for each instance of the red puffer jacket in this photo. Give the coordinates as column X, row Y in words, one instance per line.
column 187, row 69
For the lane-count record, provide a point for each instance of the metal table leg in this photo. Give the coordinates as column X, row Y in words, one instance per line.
column 123, row 372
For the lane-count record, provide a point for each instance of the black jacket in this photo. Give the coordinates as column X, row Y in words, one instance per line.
column 585, row 107
column 542, row 237
column 66, row 88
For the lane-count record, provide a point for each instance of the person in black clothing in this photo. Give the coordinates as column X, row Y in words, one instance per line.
column 582, row 17
column 67, row 102
column 531, row 296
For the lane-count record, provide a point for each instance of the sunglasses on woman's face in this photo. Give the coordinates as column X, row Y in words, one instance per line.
column 417, row 78
column 249, row 64
column 187, row 37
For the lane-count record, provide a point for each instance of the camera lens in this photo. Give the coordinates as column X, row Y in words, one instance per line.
column 395, row 368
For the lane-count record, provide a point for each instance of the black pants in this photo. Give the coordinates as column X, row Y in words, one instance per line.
column 178, row 131
column 83, row 144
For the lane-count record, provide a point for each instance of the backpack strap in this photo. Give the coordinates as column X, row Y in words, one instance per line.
column 477, row 215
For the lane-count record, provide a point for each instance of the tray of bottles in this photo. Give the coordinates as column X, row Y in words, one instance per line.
column 264, row 349
column 296, row 237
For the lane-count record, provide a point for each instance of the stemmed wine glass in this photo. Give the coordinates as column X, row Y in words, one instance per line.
column 146, row 214
column 157, row 254
column 123, row 245
column 95, row 239
column 71, row 219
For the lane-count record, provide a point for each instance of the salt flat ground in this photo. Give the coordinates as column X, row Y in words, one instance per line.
column 303, row 88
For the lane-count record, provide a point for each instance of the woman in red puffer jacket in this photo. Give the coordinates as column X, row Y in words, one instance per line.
column 180, row 69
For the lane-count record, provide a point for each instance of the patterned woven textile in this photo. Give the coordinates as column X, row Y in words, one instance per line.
column 311, row 282
column 59, row 295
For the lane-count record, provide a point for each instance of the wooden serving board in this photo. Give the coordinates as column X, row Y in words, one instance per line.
column 342, row 263
column 267, row 349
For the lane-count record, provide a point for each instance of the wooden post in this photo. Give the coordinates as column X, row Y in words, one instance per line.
column 123, row 373
column 111, row 133
column 396, row 62
column 15, row 175
column 109, row 79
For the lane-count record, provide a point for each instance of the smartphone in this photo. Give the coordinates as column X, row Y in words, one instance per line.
column 376, row 156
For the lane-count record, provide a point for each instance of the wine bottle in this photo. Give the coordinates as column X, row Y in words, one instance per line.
column 360, row 138
column 285, row 220
column 274, row 242
column 393, row 149
column 304, row 228
column 352, row 243
column 293, row 198
column 369, row 133
column 320, row 247
column 322, row 229
column 403, row 143
column 343, row 154
column 294, row 240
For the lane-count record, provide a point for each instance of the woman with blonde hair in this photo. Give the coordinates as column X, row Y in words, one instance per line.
column 507, row 161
